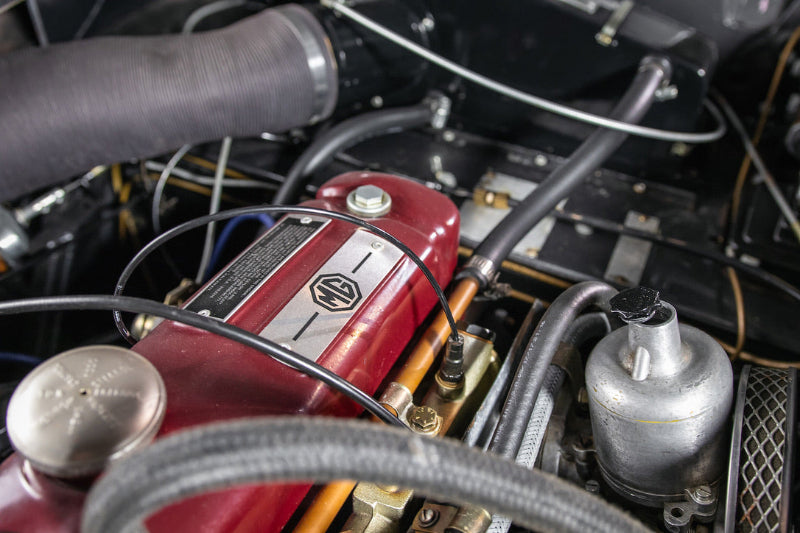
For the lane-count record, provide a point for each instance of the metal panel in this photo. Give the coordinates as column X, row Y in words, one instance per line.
column 318, row 312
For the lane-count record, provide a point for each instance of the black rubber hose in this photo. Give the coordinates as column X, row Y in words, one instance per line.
column 587, row 327
column 71, row 106
column 344, row 135
column 537, row 358
column 221, row 456
column 598, row 147
column 212, row 325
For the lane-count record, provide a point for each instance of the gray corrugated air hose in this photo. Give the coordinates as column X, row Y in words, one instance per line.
column 72, row 106
column 317, row 449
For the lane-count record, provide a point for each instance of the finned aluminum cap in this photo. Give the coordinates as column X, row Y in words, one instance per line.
column 84, row 408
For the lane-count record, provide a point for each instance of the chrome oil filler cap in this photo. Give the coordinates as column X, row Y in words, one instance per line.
column 80, row 410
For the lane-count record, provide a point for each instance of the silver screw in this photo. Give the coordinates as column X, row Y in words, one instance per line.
column 428, row 517
column 376, row 102
column 427, row 24
column 204, row 312
column 639, row 188
column 666, row 92
column 305, row 220
column 703, row 495
column 449, row 136
column 377, row 245
column 540, row 160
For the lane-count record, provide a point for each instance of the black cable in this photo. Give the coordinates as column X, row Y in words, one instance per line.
column 346, row 134
column 212, row 325
column 677, row 244
column 225, row 215
column 598, row 147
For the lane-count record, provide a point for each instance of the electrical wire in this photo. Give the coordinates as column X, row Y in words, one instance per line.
column 769, row 181
column 7, row 5
column 225, row 235
column 89, row 20
column 155, row 214
column 231, row 173
column 225, row 215
column 750, row 358
column 203, row 12
column 777, row 76
column 216, row 199
column 196, row 188
column 678, row 244
column 38, row 24
column 9, row 357
column 527, row 98
column 228, row 183
column 210, row 165
column 212, row 325
column 741, row 326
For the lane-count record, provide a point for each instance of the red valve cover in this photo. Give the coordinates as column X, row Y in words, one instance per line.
column 332, row 292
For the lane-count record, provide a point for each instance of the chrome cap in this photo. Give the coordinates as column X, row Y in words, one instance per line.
column 84, row 408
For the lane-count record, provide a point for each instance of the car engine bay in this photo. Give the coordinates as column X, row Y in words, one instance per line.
column 384, row 266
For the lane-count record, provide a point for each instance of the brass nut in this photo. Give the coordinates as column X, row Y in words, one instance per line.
column 423, row 419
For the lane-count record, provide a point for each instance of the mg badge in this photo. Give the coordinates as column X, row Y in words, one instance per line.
column 335, row 292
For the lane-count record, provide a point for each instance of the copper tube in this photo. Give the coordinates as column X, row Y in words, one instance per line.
column 420, row 360
column 326, row 505
column 463, row 251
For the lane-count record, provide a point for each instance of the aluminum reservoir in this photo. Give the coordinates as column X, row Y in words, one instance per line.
column 331, row 291
column 659, row 398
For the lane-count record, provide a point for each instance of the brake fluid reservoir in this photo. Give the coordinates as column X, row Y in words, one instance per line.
column 659, row 398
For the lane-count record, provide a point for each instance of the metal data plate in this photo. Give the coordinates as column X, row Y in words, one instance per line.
column 240, row 280
column 319, row 311
column 630, row 254
column 477, row 221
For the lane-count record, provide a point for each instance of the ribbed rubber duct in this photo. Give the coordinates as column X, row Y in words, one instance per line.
column 316, row 449
column 71, row 106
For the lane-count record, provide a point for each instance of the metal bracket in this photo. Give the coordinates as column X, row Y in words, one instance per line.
column 606, row 35
column 700, row 505
column 630, row 255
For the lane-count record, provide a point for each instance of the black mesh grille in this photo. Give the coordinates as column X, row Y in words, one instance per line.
column 762, row 452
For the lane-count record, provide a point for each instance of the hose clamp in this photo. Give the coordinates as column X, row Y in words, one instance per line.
column 320, row 58
column 480, row 268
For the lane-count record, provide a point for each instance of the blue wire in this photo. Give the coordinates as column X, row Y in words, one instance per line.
column 225, row 235
column 7, row 357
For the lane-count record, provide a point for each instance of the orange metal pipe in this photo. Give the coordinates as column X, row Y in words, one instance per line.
column 326, row 505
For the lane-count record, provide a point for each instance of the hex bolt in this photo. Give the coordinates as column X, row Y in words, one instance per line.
column 369, row 196
column 423, row 419
column 369, row 200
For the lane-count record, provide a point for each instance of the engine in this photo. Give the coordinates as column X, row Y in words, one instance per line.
column 385, row 266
